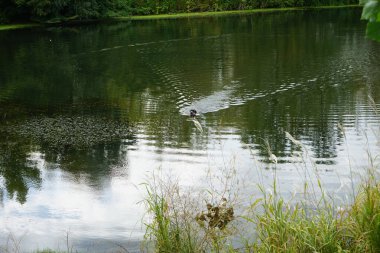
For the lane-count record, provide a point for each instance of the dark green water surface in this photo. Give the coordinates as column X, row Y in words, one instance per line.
column 88, row 113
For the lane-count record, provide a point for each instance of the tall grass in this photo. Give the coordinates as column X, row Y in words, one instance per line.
column 287, row 227
column 185, row 221
column 315, row 222
column 363, row 218
column 281, row 228
column 169, row 229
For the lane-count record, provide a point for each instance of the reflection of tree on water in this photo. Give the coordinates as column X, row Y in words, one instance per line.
column 93, row 165
column 88, row 147
column 309, row 116
column 271, row 73
column 17, row 171
column 293, row 80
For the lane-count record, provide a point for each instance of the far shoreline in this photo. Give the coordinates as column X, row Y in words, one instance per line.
column 5, row 27
column 230, row 13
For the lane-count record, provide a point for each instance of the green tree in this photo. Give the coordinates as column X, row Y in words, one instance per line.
column 44, row 10
column 371, row 12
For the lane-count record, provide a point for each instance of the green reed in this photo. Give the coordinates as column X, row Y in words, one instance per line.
column 167, row 230
column 186, row 221
column 316, row 223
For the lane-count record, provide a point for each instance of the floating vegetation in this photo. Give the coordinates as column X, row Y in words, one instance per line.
column 75, row 132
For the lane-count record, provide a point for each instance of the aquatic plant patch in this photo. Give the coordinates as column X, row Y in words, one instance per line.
column 73, row 132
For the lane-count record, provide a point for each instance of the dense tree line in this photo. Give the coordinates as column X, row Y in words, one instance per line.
column 44, row 10
column 50, row 10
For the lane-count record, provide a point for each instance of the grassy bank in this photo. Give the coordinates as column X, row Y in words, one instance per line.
column 226, row 13
column 172, row 16
column 16, row 26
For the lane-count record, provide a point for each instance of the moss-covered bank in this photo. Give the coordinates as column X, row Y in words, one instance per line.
column 226, row 13
column 17, row 26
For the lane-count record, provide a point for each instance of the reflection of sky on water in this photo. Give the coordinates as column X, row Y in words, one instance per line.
column 63, row 204
column 107, row 209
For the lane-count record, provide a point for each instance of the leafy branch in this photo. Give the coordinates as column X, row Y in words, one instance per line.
column 371, row 12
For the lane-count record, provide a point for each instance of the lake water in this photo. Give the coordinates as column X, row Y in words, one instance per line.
column 88, row 113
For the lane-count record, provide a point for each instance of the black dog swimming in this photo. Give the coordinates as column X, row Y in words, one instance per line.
column 193, row 113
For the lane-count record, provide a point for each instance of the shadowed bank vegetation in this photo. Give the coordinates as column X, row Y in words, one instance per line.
column 64, row 10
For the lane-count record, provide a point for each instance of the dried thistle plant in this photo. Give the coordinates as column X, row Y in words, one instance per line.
column 216, row 216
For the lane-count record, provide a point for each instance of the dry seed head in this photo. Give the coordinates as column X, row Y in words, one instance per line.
column 292, row 139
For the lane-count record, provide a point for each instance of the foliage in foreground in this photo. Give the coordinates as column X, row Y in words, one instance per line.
column 180, row 225
column 371, row 12
column 285, row 228
column 314, row 223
